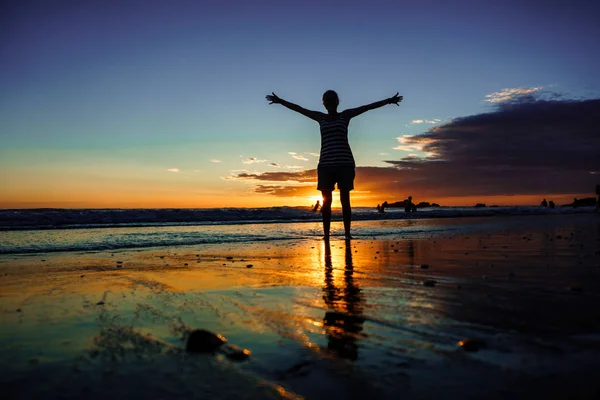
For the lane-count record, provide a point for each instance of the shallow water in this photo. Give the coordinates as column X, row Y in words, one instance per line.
column 115, row 238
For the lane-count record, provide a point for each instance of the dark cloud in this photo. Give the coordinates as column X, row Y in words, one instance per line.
column 525, row 147
column 300, row 176
column 285, row 190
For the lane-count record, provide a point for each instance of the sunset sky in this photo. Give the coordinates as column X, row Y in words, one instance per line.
column 162, row 103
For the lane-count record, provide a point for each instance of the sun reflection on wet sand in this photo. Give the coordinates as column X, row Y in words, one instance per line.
column 304, row 306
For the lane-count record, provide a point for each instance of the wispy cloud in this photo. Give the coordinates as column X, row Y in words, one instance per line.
column 407, row 143
column 314, row 154
column 173, row 169
column 253, row 160
column 384, row 154
column 300, row 157
column 425, row 121
column 215, row 161
column 273, row 164
column 509, row 94
column 298, row 177
column 293, row 153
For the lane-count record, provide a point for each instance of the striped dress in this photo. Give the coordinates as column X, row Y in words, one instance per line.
column 335, row 150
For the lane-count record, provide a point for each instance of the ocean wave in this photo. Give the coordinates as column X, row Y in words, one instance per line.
column 30, row 219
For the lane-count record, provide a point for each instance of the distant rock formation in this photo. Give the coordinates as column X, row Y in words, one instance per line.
column 480, row 205
column 404, row 203
column 587, row 202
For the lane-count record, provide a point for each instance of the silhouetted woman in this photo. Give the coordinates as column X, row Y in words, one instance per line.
column 336, row 162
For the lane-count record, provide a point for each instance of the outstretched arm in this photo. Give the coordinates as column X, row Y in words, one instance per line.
column 353, row 112
column 314, row 115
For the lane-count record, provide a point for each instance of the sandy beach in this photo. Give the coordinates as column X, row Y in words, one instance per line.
column 370, row 318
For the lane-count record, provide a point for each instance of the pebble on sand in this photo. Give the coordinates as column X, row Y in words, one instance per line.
column 471, row 344
column 236, row 353
column 429, row 283
column 203, row 341
column 249, row 266
column 229, row 258
column 424, row 266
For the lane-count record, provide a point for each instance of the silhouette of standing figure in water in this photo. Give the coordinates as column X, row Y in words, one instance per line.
column 336, row 162
column 316, row 207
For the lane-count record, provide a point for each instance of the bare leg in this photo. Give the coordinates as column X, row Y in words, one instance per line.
column 346, row 211
column 326, row 212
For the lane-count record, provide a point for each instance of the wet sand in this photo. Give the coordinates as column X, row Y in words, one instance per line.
column 372, row 318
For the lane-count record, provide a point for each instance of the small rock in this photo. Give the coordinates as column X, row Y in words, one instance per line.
column 424, row 266
column 229, row 258
column 395, row 250
column 203, row 341
column 82, row 276
column 429, row 283
column 119, row 262
column 471, row 344
column 249, row 266
column 19, row 310
column 100, row 303
column 236, row 353
column 43, row 260
column 185, row 265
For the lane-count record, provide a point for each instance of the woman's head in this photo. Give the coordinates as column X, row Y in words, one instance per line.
column 331, row 100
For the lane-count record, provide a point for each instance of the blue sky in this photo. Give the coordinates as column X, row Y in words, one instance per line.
column 120, row 94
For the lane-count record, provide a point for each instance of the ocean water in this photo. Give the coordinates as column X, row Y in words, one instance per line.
column 60, row 230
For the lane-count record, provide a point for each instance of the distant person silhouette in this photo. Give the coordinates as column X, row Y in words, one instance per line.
column 336, row 162
column 384, row 206
column 409, row 206
column 598, row 201
column 551, row 204
column 574, row 202
column 317, row 205
column 544, row 203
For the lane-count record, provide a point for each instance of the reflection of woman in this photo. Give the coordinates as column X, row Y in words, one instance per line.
column 336, row 162
column 344, row 320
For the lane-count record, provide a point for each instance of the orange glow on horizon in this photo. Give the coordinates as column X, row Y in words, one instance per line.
column 116, row 200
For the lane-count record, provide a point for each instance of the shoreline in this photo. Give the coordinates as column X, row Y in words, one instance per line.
column 360, row 214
